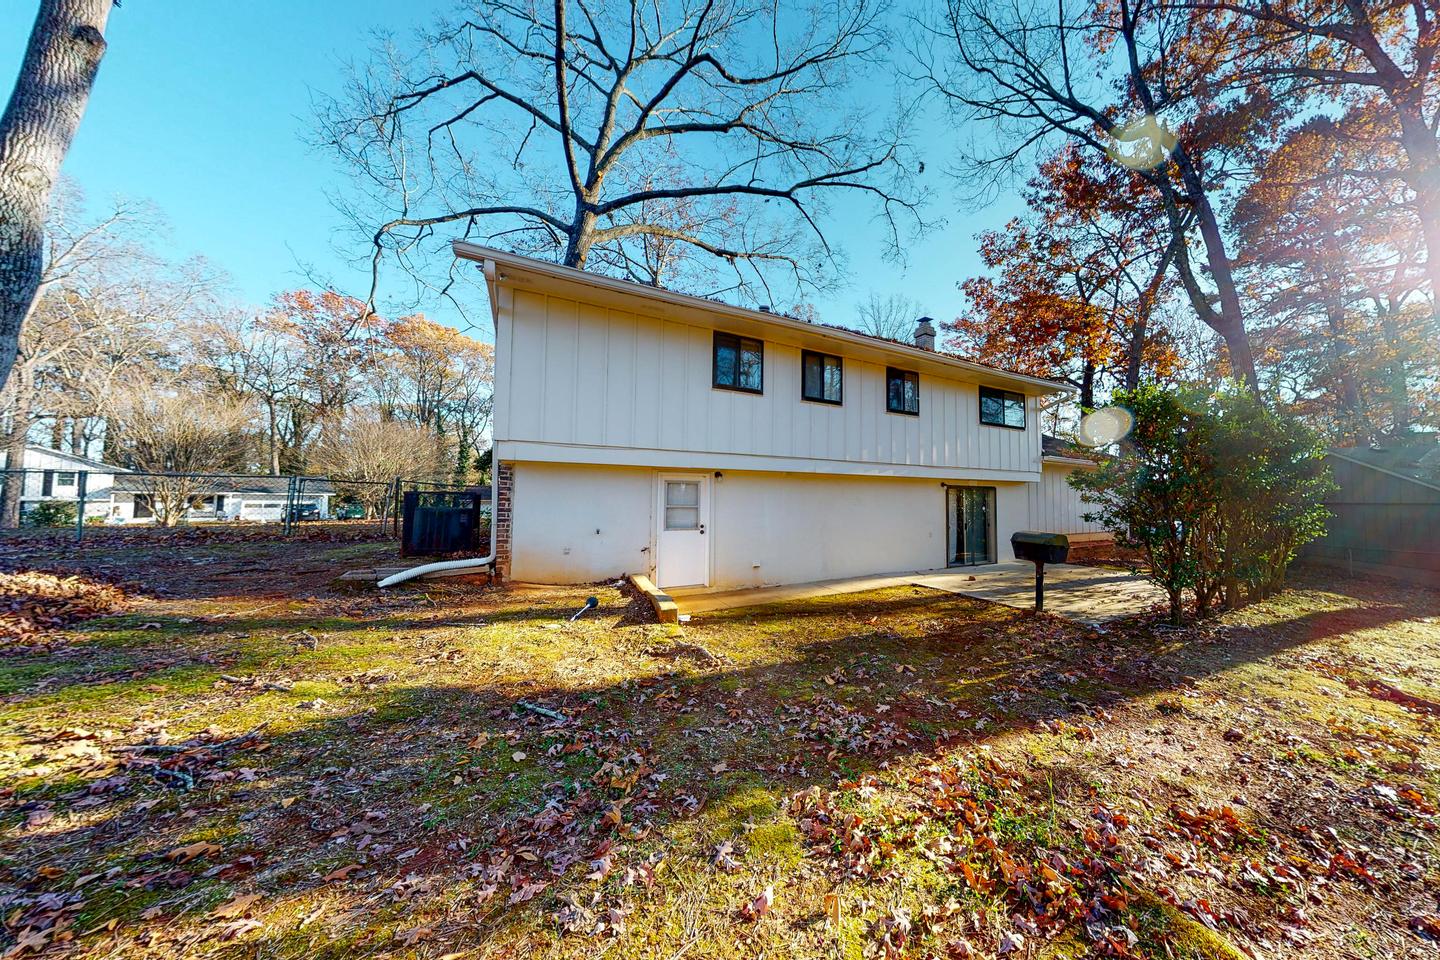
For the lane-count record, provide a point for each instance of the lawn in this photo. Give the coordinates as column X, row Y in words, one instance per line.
column 238, row 759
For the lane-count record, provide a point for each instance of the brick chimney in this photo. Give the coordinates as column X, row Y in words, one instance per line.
column 925, row 334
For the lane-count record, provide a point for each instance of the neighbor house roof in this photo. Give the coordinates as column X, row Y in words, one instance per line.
column 1416, row 460
column 205, row 486
column 84, row 463
column 1059, row 450
column 500, row 265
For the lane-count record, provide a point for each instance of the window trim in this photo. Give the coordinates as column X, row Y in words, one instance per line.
column 1004, row 395
column 738, row 341
column 822, row 357
column 890, row 374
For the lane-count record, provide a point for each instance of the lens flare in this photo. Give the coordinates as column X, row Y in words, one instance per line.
column 1105, row 426
column 1141, row 144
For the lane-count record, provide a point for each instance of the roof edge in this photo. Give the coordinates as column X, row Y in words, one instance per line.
column 1389, row 473
column 78, row 458
column 465, row 250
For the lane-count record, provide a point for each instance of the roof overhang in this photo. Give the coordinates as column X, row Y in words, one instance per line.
column 526, row 273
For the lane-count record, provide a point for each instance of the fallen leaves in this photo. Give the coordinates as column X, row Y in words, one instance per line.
column 753, row 910
column 236, row 907
column 193, row 851
column 34, row 604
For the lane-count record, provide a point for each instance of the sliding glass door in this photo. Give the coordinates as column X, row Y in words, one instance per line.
column 971, row 515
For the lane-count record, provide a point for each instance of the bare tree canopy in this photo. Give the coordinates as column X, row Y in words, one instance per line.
column 36, row 130
column 642, row 140
column 893, row 317
column 1132, row 81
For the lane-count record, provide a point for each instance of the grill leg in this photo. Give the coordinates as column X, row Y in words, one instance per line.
column 1039, row 587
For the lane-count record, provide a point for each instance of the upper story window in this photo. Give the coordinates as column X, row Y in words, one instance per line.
column 902, row 391
column 1001, row 408
column 739, row 363
column 822, row 377
column 65, row 478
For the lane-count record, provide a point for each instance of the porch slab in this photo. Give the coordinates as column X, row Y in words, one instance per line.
column 1084, row 594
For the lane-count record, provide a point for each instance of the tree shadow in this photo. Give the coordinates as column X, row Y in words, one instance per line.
column 428, row 781
column 421, row 782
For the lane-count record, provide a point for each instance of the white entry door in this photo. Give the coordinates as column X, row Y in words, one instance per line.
column 682, row 547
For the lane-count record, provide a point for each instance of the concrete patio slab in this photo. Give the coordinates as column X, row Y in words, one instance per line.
column 1086, row 594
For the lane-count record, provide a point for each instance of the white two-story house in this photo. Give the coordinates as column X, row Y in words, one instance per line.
column 639, row 430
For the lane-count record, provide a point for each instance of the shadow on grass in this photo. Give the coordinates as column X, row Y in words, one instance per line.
column 422, row 782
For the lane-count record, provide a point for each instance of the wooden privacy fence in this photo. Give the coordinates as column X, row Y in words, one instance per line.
column 1383, row 522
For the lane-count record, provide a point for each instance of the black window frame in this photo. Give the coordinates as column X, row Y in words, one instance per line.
column 891, row 373
column 805, row 357
column 1004, row 396
column 738, row 342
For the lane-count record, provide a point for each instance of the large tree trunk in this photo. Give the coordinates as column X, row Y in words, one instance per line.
column 1418, row 141
column 22, row 392
column 1087, row 386
column 38, row 125
column 1229, row 319
column 1397, row 375
column 1341, row 374
column 274, row 439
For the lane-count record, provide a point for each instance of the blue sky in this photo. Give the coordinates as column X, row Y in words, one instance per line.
column 203, row 109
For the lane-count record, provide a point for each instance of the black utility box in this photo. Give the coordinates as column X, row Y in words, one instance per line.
column 440, row 522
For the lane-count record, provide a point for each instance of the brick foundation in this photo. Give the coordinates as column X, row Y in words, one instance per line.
column 505, row 478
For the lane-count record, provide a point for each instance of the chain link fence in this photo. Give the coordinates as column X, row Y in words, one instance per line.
column 116, row 498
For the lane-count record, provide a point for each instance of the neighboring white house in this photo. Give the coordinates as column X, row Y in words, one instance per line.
column 55, row 475
column 125, row 496
column 259, row 499
column 639, row 430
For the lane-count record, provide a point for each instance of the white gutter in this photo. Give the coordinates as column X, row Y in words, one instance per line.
column 450, row 567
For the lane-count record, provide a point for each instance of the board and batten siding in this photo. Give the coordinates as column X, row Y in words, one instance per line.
column 633, row 387
column 1056, row 507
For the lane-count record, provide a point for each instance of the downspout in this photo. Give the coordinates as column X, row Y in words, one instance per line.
column 449, row 567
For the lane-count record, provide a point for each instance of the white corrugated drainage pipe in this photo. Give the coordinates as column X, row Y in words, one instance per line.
column 446, row 566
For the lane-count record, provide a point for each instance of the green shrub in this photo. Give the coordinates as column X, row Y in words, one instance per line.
column 51, row 513
column 1217, row 491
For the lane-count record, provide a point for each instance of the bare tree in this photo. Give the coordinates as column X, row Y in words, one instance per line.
column 81, row 304
column 891, row 317
column 36, row 130
column 615, row 133
column 1033, row 72
column 265, row 361
column 373, row 450
column 174, row 433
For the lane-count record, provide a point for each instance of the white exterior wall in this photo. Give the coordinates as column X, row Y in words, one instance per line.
column 579, row 382
column 97, row 483
column 1056, row 507
column 575, row 523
